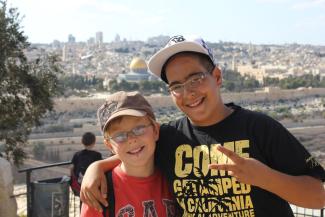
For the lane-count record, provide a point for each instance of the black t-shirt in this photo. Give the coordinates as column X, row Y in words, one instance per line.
column 81, row 160
column 184, row 152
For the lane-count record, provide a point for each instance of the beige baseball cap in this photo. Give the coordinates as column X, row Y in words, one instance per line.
column 123, row 103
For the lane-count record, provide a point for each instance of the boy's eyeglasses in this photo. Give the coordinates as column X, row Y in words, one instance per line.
column 122, row 137
column 193, row 82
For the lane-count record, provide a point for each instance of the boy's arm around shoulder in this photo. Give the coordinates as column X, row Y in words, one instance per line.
column 94, row 185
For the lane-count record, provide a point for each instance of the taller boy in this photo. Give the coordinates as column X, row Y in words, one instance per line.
column 267, row 165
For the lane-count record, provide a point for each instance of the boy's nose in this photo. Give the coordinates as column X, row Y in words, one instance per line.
column 189, row 91
column 131, row 136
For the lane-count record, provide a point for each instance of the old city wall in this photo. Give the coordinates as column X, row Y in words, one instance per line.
column 273, row 94
column 270, row 94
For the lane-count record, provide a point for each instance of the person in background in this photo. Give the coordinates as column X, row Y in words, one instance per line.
column 82, row 159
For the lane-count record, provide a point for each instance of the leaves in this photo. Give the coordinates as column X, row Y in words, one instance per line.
column 233, row 81
column 26, row 86
column 143, row 86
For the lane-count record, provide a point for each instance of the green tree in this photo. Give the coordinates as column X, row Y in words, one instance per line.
column 233, row 81
column 71, row 82
column 229, row 85
column 128, row 86
column 145, row 86
column 26, row 85
column 250, row 83
column 307, row 80
column 271, row 81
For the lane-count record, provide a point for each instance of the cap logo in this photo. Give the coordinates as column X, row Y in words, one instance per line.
column 107, row 110
column 175, row 39
column 179, row 38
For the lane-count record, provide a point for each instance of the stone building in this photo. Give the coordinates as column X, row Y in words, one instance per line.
column 138, row 72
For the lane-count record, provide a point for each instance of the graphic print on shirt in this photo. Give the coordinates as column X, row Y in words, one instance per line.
column 204, row 192
column 149, row 209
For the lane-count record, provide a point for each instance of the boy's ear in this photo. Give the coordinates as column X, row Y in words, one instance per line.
column 156, row 127
column 216, row 73
column 109, row 145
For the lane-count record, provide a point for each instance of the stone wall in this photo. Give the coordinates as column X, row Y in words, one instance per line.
column 268, row 94
column 273, row 94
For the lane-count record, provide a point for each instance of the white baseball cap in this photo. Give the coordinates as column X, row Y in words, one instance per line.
column 177, row 44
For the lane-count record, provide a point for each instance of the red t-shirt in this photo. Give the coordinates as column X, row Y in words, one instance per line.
column 135, row 196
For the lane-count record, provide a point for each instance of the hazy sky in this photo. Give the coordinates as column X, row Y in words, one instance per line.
column 256, row 21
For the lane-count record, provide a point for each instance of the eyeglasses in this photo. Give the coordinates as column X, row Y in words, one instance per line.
column 122, row 137
column 193, row 82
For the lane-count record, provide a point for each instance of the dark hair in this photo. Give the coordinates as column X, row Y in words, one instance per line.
column 88, row 139
column 204, row 59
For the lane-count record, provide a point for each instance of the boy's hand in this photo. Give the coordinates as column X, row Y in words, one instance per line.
column 94, row 187
column 245, row 170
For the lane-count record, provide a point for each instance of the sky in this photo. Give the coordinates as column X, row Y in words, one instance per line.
column 246, row 21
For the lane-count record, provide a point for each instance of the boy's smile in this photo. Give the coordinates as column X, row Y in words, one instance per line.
column 196, row 103
column 136, row 151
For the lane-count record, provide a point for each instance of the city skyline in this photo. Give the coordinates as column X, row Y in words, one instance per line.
column 252, row 21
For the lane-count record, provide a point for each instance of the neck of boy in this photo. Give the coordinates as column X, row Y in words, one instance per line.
column 218, row 114
column 89, row 147
column 138, row 171
column 223, row 113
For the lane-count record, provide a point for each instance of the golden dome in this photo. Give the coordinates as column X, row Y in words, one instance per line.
column 138, row 63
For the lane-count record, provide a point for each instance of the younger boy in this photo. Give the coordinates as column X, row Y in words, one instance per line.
column 130, row 131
